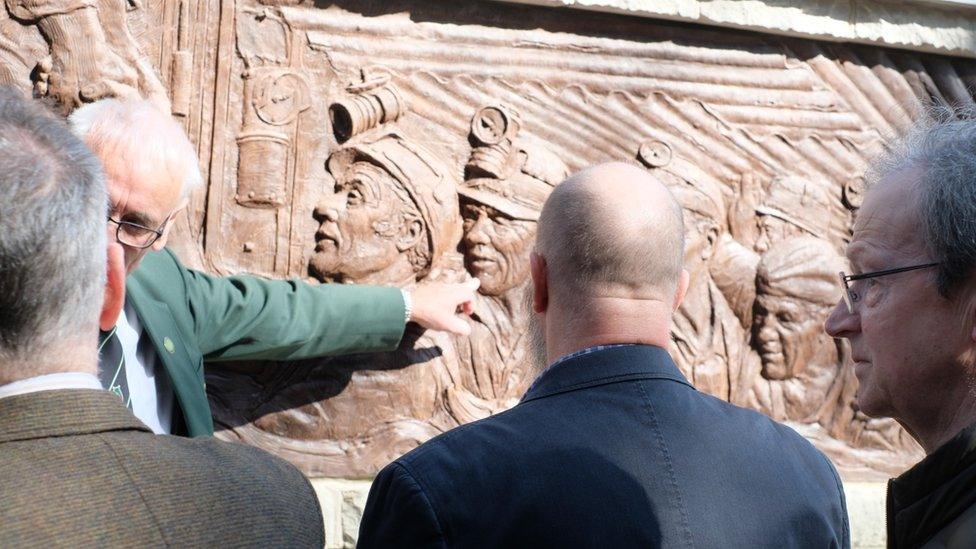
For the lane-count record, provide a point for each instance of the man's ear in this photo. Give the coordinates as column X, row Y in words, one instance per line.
column 711, row 239
column 540, row 283
column 114, row 288
column 679, row 293
column 411, row 234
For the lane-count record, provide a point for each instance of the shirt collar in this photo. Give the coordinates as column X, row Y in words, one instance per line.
column 50, row 382
column 570, row 356
column 602, row 365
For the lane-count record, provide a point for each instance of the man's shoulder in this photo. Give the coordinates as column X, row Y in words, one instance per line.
column 188, row 491
column 729, row 430
column 206, row 457
column 497, row 429
column 244, row 483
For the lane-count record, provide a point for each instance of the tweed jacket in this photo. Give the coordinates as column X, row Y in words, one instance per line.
column 192, row 317
column 77, row 469
column 611, row 449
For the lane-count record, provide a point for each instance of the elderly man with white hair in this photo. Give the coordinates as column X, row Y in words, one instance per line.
column 176, row 318
column 908, row 313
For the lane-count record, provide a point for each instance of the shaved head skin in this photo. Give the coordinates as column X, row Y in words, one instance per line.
column 608, row 261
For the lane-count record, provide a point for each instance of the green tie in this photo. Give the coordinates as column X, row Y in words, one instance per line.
column 111, row 366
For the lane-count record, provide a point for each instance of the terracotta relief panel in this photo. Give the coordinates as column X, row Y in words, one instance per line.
column 401, row 142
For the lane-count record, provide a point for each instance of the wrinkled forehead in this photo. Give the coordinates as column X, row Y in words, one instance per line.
column 889, row 220
column 152, row 193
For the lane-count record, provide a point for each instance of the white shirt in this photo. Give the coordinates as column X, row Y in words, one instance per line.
column 50, row 382
column 151, row 395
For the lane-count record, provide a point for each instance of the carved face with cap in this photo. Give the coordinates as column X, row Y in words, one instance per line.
column 793, row 207
column 500, row 217
column 796, row 287
column 704, row 211
column 392, row 213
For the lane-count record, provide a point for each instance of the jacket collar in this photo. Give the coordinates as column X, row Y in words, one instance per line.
column 64, row 412
column 158, row 322
column 934, row 492
column 611, row 365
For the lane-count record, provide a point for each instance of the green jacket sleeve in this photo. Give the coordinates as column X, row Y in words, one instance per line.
column 248, row 317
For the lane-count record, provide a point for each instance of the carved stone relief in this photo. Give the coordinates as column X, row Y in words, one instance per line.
column 406, row 141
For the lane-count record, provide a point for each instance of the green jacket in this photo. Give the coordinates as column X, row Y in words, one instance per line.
column 191, row 317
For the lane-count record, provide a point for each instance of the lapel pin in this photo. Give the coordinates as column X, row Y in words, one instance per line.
column 168, row 344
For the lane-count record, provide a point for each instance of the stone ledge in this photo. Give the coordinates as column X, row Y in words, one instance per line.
column 946, row 27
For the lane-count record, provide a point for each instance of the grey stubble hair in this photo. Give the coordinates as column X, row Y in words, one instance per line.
column 942, row 145
column 52, row 232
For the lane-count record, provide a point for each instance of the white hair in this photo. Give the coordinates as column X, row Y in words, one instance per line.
column 136, row 132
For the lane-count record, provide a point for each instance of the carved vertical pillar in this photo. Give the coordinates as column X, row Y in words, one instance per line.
column 273, row 99
column 182, row 64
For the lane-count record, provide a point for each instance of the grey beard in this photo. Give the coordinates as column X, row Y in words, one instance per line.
column 535, row 337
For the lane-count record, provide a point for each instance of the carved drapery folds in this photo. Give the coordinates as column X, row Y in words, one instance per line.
column 414, row 141
column 91, row 52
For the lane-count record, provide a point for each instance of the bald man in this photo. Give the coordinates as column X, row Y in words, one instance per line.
column 611, row 446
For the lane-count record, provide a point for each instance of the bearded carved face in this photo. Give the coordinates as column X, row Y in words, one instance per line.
column 496, row 247
column 789, row 333
column 364, row 226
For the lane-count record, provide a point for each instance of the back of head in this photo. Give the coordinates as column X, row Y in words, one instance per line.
column 133, row 136
column 612, row 231
column 52, row 239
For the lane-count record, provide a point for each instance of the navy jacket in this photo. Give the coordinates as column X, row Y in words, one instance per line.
column 611, row 449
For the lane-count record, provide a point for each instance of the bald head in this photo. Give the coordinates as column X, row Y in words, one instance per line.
column 613, row 230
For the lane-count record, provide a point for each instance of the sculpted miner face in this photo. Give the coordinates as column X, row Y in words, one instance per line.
column 362, row 225
column 496, row 247
column 701, row 235
column 789, row 334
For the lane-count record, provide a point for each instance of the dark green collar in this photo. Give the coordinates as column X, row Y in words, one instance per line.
column 934, row 492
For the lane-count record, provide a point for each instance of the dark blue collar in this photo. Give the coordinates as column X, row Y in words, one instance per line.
column 606, row 366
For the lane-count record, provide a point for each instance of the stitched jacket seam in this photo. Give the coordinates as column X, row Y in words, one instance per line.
column 414, row 477
column 676, row 491
column 846, row 542
column 136, row 486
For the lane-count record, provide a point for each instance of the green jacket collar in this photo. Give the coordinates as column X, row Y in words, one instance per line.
column 157, row 321
column 934, row 492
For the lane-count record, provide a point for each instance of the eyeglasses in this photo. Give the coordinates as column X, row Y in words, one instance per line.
column 851, row 294
column 135, row 235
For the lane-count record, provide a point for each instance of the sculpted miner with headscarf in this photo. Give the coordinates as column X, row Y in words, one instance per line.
column 796, row 288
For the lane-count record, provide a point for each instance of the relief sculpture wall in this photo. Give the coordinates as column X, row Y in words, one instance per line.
column 405, row 141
